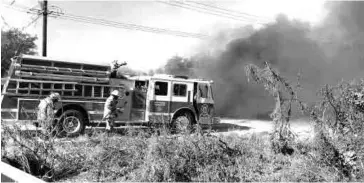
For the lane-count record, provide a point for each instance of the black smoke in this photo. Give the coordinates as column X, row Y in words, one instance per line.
column 323, row 54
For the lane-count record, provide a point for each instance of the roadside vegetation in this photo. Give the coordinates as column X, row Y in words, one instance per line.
column 145, row 156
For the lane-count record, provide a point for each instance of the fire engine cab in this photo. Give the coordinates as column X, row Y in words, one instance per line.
column 84, row 87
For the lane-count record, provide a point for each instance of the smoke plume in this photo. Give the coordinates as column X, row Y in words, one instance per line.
column 323, row 54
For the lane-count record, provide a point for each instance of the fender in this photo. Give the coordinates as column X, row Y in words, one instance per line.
column 65, row 107
column 189, row 108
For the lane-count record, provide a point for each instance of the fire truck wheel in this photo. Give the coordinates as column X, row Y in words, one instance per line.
column 182, row 123
column 72, row 123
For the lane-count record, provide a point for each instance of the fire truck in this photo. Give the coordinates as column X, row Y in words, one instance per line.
column 84, row 87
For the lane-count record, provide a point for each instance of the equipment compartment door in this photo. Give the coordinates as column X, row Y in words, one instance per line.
column 204, row 103
column 124, row 102
column 138, row 105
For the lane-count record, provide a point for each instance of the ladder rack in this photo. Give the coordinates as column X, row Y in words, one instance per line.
column 68, row 71
column 56, row 77
column 24, row 87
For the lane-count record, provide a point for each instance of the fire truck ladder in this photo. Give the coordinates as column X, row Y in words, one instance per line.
column 29, row 87
column 26, row 88
column 39, row 72
column 7, row 80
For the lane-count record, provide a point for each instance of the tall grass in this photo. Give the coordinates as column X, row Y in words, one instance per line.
column 146, row 156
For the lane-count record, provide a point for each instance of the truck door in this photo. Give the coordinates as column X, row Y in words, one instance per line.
column 204, row 103
column 159, row 101
column 181, row 95
column 138, row 97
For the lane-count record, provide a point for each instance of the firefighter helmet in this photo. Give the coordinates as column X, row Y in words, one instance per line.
column 55, row 96
column 115, row 93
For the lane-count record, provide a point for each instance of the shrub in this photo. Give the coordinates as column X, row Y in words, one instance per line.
column 285, row 95
column 339, row 128
column 338, row 120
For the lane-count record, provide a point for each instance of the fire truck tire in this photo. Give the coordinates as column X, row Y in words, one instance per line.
column 182, row 123
column 72, row 123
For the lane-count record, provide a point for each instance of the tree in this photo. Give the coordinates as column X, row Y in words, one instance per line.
column 13, row 43
column 179, row 66
column 285, row 95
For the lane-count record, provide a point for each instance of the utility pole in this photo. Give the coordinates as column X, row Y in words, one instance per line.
column 45, row 13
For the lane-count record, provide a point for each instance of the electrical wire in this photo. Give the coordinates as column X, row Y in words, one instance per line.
column 18, row 8
column 65, row 17
column 25, row 27
column 32, row 22
column 129, row 26
column 236, row 13
column 5, row 22
column 212, row 12
column 180, row 5
column 231, row 11
column 223, row 13
column 24, row 10
column 114, row 24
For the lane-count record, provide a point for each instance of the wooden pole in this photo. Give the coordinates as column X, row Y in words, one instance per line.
column 45, row 13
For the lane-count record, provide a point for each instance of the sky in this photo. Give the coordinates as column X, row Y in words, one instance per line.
column 143, row 51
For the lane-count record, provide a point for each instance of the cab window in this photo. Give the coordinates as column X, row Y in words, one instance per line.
column 179, row 90
column 203, row 89
column 161, row 88
column 141, row 85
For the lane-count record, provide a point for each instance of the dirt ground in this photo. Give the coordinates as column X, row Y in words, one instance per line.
column 240, row 126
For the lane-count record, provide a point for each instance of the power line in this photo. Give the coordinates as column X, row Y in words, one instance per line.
column 180, row 5
column 34, row 20
column 24, row 10
column 22, row 29
column 18, row 8
column 5, row 22
column 225, row 13
column 129, row 26
column 219, row 11
column 115, row 24
column 231, row 11
column 210, row 11
column 31, row 22
column 132, row 27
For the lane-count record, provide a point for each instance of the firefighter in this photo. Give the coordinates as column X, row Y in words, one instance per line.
column 45, row 112
column 115, row 65
column 110, row 110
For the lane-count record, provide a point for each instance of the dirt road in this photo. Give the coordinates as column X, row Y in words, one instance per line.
column 241, row 127
column 238, row 126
